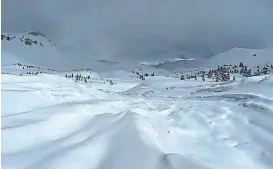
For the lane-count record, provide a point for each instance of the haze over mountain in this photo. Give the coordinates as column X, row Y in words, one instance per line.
column 144, row 30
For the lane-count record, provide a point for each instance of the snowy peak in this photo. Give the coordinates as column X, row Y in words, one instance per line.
column 31, row 48
column 35, row 38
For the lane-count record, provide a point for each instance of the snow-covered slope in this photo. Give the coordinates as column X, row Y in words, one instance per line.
column 163, row 123
column 250, row 57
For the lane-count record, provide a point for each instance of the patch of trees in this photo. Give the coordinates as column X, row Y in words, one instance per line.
column 86, row 79
column 32, row 70
column 142, row 76
column 37, row 33
column 78, row 77
column 7, row 37
column 29, row 41
column 223, row 72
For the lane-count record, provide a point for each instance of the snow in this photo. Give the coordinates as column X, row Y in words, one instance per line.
column 250, row 57
column 58, row 123
column 50, row 122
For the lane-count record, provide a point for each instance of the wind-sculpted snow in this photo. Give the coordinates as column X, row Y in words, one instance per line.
column 50, row 122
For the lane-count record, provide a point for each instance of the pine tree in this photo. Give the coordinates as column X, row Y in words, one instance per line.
column 182, row 77
column 241, row 64
column 210, row 74
column 227, row 76
column 258, row 72
column 266, row 69
column 248, row 73
column 217, row 76
column 203, row 77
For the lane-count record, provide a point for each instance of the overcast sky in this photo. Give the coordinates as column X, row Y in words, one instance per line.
column 144, row 30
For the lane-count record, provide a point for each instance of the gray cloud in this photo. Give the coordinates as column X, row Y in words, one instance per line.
column 144, row 29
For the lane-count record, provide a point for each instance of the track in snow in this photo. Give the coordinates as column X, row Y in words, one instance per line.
column 51, row 122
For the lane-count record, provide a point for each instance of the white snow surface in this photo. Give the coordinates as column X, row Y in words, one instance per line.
column 51, row 122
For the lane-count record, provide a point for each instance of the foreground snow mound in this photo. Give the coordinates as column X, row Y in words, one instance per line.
column 160, row 123
column 57, row 129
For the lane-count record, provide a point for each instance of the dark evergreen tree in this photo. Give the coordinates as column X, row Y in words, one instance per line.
column 248, row 74
column 203, row 77
column 266, row 69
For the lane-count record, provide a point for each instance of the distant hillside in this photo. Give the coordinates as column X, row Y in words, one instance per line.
column 234, row 56
column 249, row 57
column 180, row 65
column 34, row 48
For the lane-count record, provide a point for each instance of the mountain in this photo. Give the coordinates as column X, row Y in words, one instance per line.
column 34, row 48
column 30, row 47
column 179, row 65
column 250, row 57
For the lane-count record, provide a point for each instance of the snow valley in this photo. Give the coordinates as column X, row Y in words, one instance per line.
column 83, row 113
